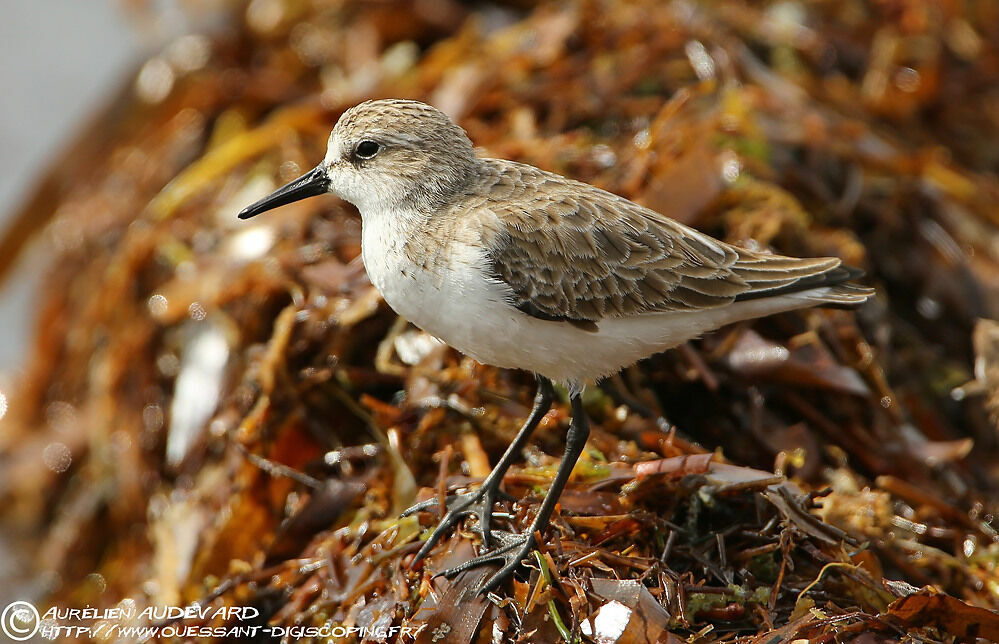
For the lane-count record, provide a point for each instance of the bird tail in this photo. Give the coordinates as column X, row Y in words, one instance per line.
column 840, row 296
column 822, row 281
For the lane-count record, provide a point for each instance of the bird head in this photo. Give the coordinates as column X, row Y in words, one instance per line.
column 385, row 155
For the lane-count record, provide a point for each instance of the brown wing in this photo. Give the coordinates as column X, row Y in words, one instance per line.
column 569, row 251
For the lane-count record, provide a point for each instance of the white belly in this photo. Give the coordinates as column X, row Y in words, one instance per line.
column 457, row 302
column 451, row 300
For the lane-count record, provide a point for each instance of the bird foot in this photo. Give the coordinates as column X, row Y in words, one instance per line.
column 478, row 503
column 511, row 551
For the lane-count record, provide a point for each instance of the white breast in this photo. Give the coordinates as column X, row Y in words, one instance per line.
column 449, row 298
column 455, row 299
column 457, row 302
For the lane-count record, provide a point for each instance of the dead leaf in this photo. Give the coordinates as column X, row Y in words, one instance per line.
column 930, row 608
column 631, row 615
column 675, row 467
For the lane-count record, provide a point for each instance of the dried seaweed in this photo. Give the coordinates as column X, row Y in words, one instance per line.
column 812, row 476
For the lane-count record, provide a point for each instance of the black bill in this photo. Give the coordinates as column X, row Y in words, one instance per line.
column 311, row 184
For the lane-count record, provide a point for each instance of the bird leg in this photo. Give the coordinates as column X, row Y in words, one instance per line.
column 480, row 502
column 513, row 549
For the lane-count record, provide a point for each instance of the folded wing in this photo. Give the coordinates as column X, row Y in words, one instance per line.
column 569, row 251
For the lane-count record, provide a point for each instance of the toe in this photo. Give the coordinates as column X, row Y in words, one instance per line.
column 478, row 503
column 493, row 582
column 511, row 554
column 419, row 507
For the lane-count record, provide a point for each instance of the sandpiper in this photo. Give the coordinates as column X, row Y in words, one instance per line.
column 522, row 268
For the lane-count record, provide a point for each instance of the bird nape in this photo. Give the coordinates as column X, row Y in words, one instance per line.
column 522, row 268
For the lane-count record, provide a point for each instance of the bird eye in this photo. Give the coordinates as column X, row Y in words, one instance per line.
column 367, row 149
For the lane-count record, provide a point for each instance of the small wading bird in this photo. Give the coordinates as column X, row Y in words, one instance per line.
column 521, row 268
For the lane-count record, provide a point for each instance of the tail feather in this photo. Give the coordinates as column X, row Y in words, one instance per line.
column 830, row 286
column 840, row 296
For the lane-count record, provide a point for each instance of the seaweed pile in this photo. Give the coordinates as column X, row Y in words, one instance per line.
column 226, row 413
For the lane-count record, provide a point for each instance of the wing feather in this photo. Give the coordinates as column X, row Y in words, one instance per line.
column 569, row 251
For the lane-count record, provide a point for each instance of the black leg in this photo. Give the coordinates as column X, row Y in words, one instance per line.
column 481, row 501
column 518, row 547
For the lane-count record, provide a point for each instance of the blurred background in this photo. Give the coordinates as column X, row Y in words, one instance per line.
column 225, row 412
column 62, row 60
